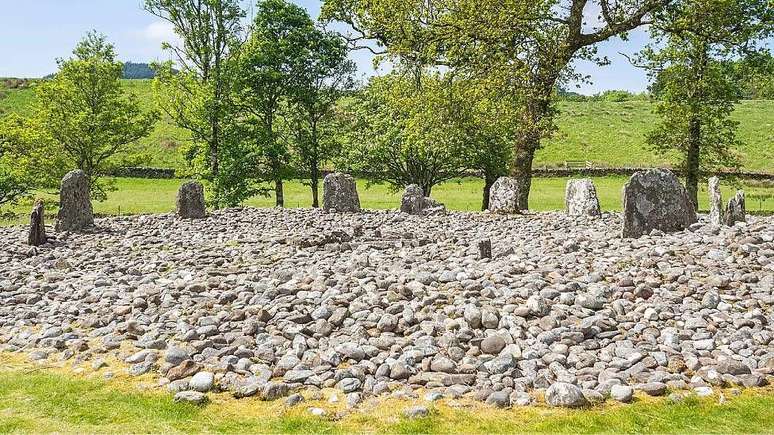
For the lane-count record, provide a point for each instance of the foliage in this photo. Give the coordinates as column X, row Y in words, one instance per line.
column 693, row 40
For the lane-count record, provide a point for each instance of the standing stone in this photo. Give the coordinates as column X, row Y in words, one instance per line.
column 735, row 211
column 75, row 211
column 340, row 193
column 716, row 202
column 504, row 196
column 415, row 202
column 485, row 248
column 655, row 200
column 37, row 234
column 581, row 198
column 190, row 201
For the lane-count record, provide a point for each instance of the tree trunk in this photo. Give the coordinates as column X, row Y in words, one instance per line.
column 692, row 161
column 427, row 189
column 279, row 193
column 488, row 182
column 315, row 183
column 522, row 169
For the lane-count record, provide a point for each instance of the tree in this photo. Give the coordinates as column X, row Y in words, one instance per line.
column 194, row 90
column 266, row 71
column 694, row 44
column 324, row 77
column 532, row 43
column 84, row 115
column 15, row 180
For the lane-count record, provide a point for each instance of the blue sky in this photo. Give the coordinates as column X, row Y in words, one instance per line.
column 34, row 33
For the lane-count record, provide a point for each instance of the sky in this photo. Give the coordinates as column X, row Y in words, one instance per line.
column 35, row 33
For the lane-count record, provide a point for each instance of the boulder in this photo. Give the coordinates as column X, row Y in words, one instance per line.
column 735, row 210
column 581, row 198
column 415, row 202
column 340, row 194
column 75, row 211
column 716, row 201
column 37, row 235
column 504, row 196
column 655, row 200
column 565, row 395
column 190, row 201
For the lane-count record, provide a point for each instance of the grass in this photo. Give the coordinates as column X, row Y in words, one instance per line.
column 144, row 196
column 605, row 133
column 45, row 400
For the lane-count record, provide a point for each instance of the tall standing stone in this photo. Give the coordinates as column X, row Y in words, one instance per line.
column 190, row 201
column 735, row 211
column 581, row 199
column 75, row 211
column 340, row 193
column 716, row 202
column 37, row 234
column 504, row 196
column 655, row 200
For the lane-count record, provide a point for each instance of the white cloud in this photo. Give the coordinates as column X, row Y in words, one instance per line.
column 158, row 32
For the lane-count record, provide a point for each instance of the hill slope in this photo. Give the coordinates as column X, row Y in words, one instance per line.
column 605, row 133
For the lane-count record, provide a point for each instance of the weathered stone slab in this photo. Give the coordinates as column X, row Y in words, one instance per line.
column 485, row 248
column 75, row 210
column 581, row 198
column 716, row 201
column 415, row 202
column 655, row 200
column 735, row 211
column 37, row 235
column 504, row 196
column 340, row 193
column 190, row 201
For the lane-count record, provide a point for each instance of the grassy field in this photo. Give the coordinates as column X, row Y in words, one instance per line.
column 35, row 399
column 142, row 196
column 606, row 133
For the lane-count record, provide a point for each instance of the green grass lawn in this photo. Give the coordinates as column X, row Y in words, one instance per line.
column 606, row 133
column 143, row 196
column 36, row 400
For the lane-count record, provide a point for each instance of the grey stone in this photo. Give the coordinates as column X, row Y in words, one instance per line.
column 492, row 345
column 190, row 201
column 340, row 193
column 485, row 249
column 504, row 196
column 565, row 395
column 716, row 201
column 499, row 399
column 75, row 210
column 655, row 200
column 193, row 397
column 735, row 210
column 37, row 233
column 622, row 393
column 416, row 412
column 414, row 202
column 202, row 382
column 581, row 198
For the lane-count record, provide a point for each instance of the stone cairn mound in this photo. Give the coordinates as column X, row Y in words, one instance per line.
column 581, row 198
column 504, row 196
column 655, row 200
column 340, row 194
column 716, row 201
column 735, row 210
column 75, row 211
column 416, row 203
column 37, row 233
column 190, row 201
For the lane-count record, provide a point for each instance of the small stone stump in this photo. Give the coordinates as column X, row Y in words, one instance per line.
column 716, row 201
column 190, row 201
column 415, row 202
column 485, row 248
column 504, row 196
column 75, row 211
column 655, row 200
column 581, row 198
column 340, row 194
column 735, row 210
column 37, row 234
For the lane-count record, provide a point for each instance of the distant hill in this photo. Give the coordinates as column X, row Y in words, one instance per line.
column 138, row 71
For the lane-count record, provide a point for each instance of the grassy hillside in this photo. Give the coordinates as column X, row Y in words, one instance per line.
column 606, row 133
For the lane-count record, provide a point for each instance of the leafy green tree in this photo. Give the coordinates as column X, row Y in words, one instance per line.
column 531, row 43
column 85, row 116
column 693, row 43
column 16, row 180
column 323, row 78
column 194, row 89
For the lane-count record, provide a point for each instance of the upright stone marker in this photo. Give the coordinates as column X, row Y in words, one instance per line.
column 485, row 248
column 735, row 211
column 37, row 234
column 581, row 199
column 716, row 202
column 190, row 201
column 504, row 196
column 75, row 211
column 655, row 200
column 415, row 202
column 340, row 193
